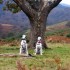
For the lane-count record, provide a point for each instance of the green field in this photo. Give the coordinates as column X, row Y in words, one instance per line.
column 57, row 56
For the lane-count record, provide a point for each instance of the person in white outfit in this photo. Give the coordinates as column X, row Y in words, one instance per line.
column 38, row 49
column 23, row 47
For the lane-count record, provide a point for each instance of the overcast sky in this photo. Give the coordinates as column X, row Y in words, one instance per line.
column 66, row 2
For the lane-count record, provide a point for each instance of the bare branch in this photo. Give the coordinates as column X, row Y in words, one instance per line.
column 52, row 4
column 36, row 4
column 49, row 5
column 25, row 7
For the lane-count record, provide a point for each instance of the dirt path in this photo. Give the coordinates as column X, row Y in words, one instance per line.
column 13, row 55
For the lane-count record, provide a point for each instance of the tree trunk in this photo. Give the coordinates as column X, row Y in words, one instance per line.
column 37, row 11
column 38, row 28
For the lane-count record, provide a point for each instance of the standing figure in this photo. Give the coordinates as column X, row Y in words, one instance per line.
column 23, row 48
column 38, row 49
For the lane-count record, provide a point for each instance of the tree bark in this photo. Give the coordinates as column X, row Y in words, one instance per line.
column 35, row 33
column 38, row 28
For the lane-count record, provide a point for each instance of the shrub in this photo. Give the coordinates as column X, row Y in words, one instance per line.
column 10, row 34
column 1, row 1
column 10, row 39
column 49, row 33
column 68, row 35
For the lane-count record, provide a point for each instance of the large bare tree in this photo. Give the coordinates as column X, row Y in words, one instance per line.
column 37, row 12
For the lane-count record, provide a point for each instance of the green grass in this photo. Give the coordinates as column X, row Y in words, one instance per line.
column 45, row 62
column 9, row 49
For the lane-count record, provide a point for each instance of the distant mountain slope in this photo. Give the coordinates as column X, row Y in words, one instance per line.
column 59, row 26
column 9, row 30
column 6, row 17
column 60, row 29
column 59, row 14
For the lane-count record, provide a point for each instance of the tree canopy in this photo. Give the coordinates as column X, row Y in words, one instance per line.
column 34, row 5
column 10, row 5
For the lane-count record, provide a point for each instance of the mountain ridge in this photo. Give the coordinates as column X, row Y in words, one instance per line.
column 59, row 14
column 62, row 14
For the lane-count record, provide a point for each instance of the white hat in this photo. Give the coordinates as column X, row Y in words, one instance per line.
column 39, row 38
column 23, row 36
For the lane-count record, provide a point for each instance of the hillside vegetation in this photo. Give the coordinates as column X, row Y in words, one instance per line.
column 55, row 33
column 59, row 32
column 9, row 31
column 60, row 29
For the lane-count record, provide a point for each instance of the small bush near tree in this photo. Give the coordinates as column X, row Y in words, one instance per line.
column 68, row 35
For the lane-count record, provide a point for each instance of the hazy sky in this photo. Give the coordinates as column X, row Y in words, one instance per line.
column 66, row 2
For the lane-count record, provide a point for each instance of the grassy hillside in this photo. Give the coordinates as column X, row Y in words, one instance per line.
column 60, row 29
column 58, row 33
column 55, row 58
column 9, row 30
